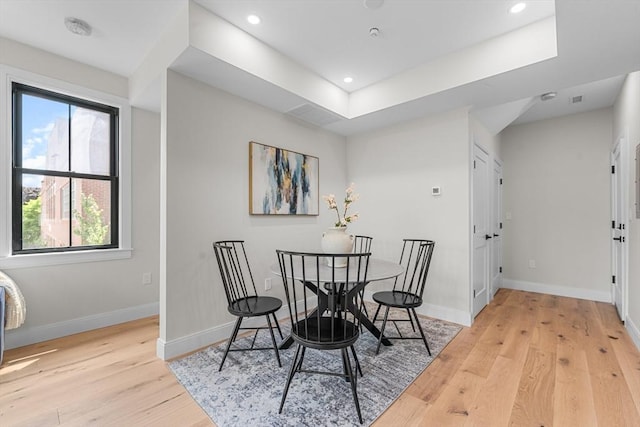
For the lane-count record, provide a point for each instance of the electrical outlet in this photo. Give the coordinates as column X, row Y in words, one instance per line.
column 267, row 284
column 146, row 278
column 532, row 263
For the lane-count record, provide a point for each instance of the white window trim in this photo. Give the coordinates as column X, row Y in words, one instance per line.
column 8, row 75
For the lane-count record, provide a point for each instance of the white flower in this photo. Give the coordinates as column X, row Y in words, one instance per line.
column 349, row 198
column 331, row 201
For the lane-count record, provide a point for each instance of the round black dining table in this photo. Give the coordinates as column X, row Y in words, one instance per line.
column 379, row 269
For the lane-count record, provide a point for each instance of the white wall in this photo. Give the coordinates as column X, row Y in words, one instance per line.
column 557, row 190
column 394, row 170
column 66, row 299
column 38, row 61
column 560, row 163
column 481, row 135
column 207, row 149
column 627, row 122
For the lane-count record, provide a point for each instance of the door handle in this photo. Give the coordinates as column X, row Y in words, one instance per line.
column 487, row 237
column 619, row 239
column 496, row 235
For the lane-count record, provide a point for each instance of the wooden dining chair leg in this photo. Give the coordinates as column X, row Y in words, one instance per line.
column 273, row 340
column 232, row 338
column 275, row 319
column 353, row 379
column 384, row 324
column 292, row 372
column 424, row 338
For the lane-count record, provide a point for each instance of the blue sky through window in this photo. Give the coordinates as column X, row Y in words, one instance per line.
column 38, row 119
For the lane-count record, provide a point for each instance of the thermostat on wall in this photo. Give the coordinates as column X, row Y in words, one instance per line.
column 435, row 191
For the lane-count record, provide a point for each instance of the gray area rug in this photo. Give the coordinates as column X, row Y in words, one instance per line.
column 248, row 390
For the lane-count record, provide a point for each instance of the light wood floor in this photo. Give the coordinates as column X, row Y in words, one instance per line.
column 529, row 360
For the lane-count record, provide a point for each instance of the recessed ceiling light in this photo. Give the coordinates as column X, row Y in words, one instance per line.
column 518, row 7
column 348, row 79
column 253, row 19
column 77, row 26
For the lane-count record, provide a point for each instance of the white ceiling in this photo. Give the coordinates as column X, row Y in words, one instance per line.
column 598, row 43
column 123, row 30
column 332, row 37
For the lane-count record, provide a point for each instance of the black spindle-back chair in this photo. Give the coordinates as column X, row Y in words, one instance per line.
column 242, row 298
column 324, row 308
column 362, row 244
column 408, row 289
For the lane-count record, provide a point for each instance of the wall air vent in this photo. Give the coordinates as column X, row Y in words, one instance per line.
column 576, row 99
column 313, row 114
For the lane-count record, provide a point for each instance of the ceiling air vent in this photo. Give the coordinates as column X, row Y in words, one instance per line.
column 576, row 99
column 315, row 115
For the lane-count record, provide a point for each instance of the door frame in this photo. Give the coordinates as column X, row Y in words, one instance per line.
column 620, row 149
column 475, row 145
column 496, row 163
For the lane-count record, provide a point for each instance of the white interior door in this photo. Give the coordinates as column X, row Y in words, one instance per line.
column 618, row 231
column 496, row 228
column 481, row 229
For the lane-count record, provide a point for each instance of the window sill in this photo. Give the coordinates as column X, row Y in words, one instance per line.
column 60, row 258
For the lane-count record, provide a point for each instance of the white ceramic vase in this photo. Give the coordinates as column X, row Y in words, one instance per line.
column 336, row 241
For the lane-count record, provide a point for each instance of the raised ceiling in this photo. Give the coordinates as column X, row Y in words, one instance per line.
column 398, row 75
column 333, row 38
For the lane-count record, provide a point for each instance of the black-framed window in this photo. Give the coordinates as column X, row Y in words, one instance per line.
column 64, row 172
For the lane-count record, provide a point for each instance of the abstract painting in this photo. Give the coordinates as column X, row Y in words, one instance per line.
column 282, row 182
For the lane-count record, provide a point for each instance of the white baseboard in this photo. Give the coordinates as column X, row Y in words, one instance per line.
column 177, row 347
column 22, row 336
column 562, row 291
column 436, row 311
column 169, row 349
column 445, row 313
column 633, row 330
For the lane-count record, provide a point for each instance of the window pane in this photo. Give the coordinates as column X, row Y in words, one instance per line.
column 63, row 143
column 31, row 211
column 90, row 138
column 45, row 134
column 65, row 201
column 55, row 228
column 91, row 212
